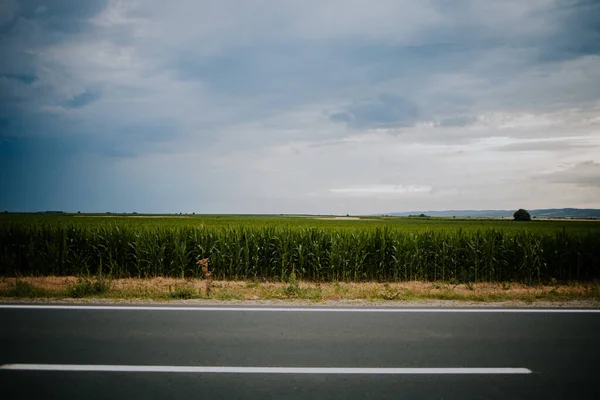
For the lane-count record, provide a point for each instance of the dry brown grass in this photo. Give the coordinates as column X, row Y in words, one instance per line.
column 160, row 288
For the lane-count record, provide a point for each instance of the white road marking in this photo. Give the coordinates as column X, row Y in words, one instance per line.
column 262, row 370
column 297, row 309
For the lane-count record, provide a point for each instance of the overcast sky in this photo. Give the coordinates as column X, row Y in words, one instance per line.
column 325, row 106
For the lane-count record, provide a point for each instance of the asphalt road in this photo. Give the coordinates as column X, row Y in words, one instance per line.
column 560, row 349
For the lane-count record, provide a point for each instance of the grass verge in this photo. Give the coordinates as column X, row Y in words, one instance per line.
column 86, row 287
column 165, row 289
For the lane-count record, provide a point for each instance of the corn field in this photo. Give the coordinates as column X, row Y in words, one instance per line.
column 310, row 253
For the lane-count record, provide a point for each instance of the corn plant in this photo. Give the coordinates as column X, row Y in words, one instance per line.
column 247, row 250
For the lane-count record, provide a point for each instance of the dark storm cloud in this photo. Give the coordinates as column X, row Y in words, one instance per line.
column 59, row 16
column 82, row 100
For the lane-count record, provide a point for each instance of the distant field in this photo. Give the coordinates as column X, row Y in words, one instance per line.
column 318, row 248
column 410, row 224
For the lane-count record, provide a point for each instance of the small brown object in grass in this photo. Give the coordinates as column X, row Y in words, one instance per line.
column 207, row 275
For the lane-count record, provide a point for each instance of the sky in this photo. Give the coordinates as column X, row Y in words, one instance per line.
column 312, row 106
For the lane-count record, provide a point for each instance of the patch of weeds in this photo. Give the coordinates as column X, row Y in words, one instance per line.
column 506, row 286
column 389, row 293
column 314, row 294
column 553, row 282
column 182, row 293
column 436, row 285
column 531, row 283
column 469, row 286
column 340, row 290
column 593, row 289
column 227, row 294
column 553, row 292
column 293, row 290
column 254, row 283
column 371, row 293
column 293, row 287
column 555, row 295
column 138, row 293
column 24, row 289
column 454, row 281
column 296, row 292
column 446, row 295
column 479, row 297
column 86, row 287
column 270, row 293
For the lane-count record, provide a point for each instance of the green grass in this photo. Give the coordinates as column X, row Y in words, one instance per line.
column 183, row 293
column 25, row 290
column 408, row 224
column 254, row 248
column 88, row 288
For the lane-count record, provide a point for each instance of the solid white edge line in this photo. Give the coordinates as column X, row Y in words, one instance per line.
column 262, row 370
column 299, row 309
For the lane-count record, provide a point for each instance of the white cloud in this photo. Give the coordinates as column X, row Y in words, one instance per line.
column 381, row 190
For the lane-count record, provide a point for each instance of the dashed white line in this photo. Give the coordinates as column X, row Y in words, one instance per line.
column 262, row 370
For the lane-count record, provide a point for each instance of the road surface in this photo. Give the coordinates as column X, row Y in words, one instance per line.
column 256, row 353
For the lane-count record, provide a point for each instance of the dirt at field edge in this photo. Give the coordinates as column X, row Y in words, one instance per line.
column 574, row 304
column 196, row 291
